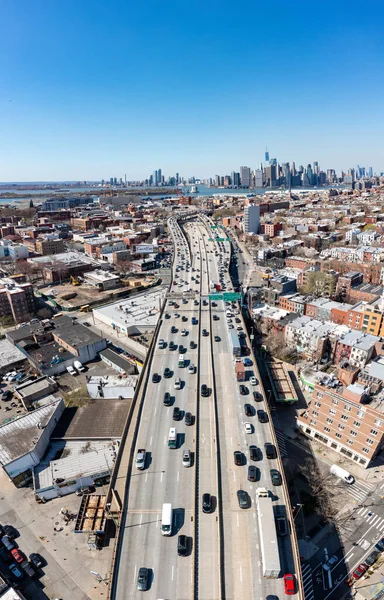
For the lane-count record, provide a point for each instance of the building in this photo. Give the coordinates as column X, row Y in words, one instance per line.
column 251, row 218
column 17, row 300
column 117, row 362
column 24, row 441
column 112, row 386
column 338, row 419
column 18, row 251
column 355, row 347
column 11, row 358
column 102, row 280
column 245, row 177
column 47, row 246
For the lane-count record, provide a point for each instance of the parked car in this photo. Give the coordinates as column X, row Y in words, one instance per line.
column 6, row 395
column 37, row 560
column 16, row 571
column 71, row 370
column 357, row 573
column 243, row 390
column 17, row 555
column 10, row 531
column 289, row 584
column 371, row 558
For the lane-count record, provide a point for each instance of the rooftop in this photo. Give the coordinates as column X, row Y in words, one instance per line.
column 9, row 354
column 68, row 258
column 20, row 436
column 74, row 333
column 98, row 420
column 33, row 387
column 140, row 311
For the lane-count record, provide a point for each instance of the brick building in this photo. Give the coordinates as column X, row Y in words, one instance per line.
column 337, row 418
column 47, row 247
column 16, row 300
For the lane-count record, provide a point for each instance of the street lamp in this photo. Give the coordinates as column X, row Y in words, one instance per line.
column 301, row 506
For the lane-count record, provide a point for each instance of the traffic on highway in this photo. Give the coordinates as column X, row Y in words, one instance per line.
column 206, row 514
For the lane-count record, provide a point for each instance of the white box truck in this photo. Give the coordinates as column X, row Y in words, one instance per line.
column 342, row 474
column 268, row 537
column 166, row 519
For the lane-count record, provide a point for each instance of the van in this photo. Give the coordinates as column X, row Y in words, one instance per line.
column 166, row 519
column 187, row 458
column 77, row 364
column 342, row 474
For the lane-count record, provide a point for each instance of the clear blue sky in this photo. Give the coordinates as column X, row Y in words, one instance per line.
column 93, row 88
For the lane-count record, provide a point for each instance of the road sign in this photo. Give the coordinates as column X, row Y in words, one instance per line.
column 216, row 296
column 213, row 226
column 210, row 239
column 220, row 239
column 231, row 296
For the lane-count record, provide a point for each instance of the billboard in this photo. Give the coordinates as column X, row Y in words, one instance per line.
column 144, row 248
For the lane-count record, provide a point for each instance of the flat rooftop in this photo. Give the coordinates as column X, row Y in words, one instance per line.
column 9, row 354
column 282, row 385
column 21, row 435
column 99, row 420
column 74, row 333
column 141, row 311
column 33, row 387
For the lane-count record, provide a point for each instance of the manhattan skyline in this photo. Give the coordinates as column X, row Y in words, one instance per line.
column 98, row 89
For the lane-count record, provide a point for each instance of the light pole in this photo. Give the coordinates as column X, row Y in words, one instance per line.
column 301, row 506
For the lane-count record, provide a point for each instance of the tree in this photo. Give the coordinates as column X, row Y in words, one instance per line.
column 320, row 284
column 77, row 398
column 31, row 205
column 25, row 268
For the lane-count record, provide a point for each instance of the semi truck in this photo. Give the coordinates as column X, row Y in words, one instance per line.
column 235, row 343
column 342, row 474
column 140, row 458
column 268, row 537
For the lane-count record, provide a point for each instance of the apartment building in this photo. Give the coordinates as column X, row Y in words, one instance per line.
column 355, row 347
column 338, row 419
column 16, row 300
column 47, row 247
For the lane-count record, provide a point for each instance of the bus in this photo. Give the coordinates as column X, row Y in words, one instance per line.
column 166, row 519
column 181, row 362
column 172, row 438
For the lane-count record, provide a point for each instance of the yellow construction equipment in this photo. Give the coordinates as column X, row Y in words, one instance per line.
column 75, row 281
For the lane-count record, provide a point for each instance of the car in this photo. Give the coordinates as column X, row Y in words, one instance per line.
column 238, row 458
column 167, row 401
column 253, row 473
column 177, row 384
column 17, row 555
column 16, row 571
column 281, row 526
column 217, row 338
column 176, row 414
column 248, row 410
column 257, row 397
column 276, row 477
column 182, row 545
column 194, row 321
column 167, row 316
column 192, row 345
column 243, row 499
column 247, row 362
column 289, row 584
column 188, row 418
column 143, row 579
column 6, row 395
column 207, row 503
column 172, row 345
column 371, row 558
column 237, row 320
column 85, row 489
column 270, row 450
column 380, row 545
column 262, row 416
column 71, row 370
column 173, row 329
column 357, row 573
column 204, row 390
column 155, row 378
column 254, row 453
column 243, row 390
column 184, row 318
column 167, row 373
column 205, row 333
column 248, row 427
column 253, row 380
column 216, row 318
column 187, row 458
column 196, row 303
column 181, row 348
column 191, row 369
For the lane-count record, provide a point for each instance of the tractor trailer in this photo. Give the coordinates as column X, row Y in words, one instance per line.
column 268, row 537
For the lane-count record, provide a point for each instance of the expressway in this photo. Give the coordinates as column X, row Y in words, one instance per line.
column 223, row 558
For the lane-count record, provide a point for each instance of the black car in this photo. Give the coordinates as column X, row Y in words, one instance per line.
column 253, row 473
column 213, row 304
column 192, row 345
column 254, row 453
column 243, row 499
column 204, row 390
column 37, row 560
column 167, row 316
column 248, row 410
column 262, row 416
column 173, row 329
column 10, row 531
column 167, row 372
column 237, row 320
column 205, row 332
column 207, row 503
column 172, row 345
column 176, row 414
column 216, row 318
column 217, row 338
column 184, row 318
column 275, row 477
column 188, row 418
column 181, row 349
column 167, row 401
column 143, row 579
column 156, row 378
column 6, row 395
column 257, row 397
column 281, row 526
column 238, row 458
column 243, row 390
column 182, row 545
column 270, row 450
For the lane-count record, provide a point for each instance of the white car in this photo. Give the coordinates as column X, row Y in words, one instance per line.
column 184, row 332
column 71, row 370
column 253, row 381
column 191, row 369
column 248, row 427
column 177, row 383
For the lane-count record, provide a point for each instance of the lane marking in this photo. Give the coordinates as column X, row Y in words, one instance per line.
column 141, row 519
column 172, row 573
column 150, row 441
column 241, row 575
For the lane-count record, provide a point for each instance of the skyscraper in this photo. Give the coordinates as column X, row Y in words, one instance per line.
column 245, row 176
column 258, row 178
column 370, row 172
column 309, row 174
column 266, row 156
column 286, row 173
column 316, row 167
column 159, row 177
column 154, row 178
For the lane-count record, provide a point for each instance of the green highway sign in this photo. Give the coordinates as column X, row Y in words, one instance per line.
column 210, row 240
column 220, row 239
column 231, row 296
column 213, row 226
column 227, row 240
column 216, row 296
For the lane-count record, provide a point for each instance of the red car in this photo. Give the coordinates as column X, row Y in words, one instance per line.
column 289, row 584
column 17, row 555
column 357, row 573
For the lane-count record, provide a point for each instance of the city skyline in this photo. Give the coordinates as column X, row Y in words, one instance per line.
column 203, row 97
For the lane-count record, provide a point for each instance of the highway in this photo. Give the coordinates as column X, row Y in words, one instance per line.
column 223, row 559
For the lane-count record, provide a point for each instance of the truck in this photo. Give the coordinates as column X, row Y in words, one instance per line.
column 235, row 343
column 342, row 474
column 240, row 371
column 140, row 458
column 212, row 285
column 166, row 519
column 27, row 568
column 268, row 536
column 77, row 364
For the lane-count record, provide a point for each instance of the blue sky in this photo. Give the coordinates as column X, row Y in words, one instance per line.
column 91, row 89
